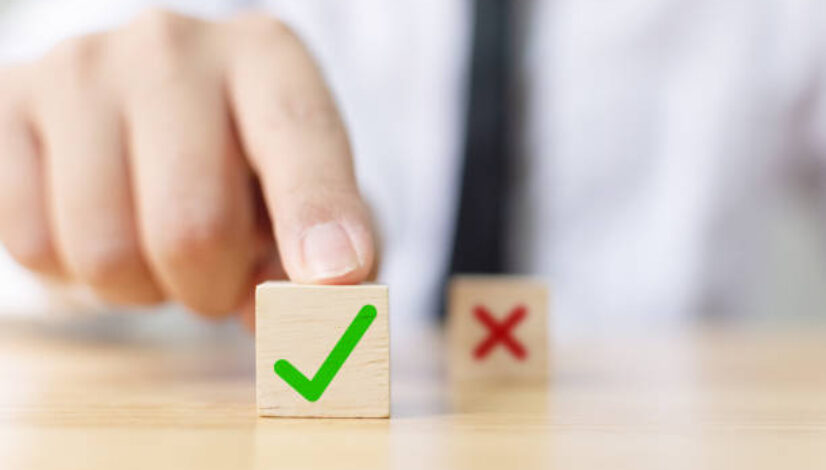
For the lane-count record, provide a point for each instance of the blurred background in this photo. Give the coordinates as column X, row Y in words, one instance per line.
column 666, row 156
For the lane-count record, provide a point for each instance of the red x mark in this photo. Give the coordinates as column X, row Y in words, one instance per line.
column 500, row 332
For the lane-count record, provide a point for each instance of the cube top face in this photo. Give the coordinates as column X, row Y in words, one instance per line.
column 498, row 327
column 325, row 334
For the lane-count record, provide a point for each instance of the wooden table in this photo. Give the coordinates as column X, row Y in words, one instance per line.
column 71, row 399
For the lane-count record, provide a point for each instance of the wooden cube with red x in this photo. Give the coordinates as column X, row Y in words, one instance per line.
column 498, row 327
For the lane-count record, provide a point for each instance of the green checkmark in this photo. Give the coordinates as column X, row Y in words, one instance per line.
column 312, row 389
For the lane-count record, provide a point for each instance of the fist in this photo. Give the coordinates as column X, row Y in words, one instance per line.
column 179, row 159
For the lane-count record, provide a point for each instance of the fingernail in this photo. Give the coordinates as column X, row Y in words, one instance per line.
column 328, row 251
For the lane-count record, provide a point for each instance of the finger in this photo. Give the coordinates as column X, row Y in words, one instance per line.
column 24, row 223
column 192, row 189
column 89, row 184
column 298, row 145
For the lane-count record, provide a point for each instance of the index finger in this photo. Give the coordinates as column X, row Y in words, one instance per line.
column 296, row 142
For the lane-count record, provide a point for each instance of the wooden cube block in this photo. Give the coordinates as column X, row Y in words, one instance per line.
column 322, row 351
column 498, row 328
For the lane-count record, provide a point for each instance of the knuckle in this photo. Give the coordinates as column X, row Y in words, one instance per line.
column 329, row 199
column 264, row 27
column 76, row 59
column 104, row 265
column 192, row 238
column 161, row 38
column 34, row 253
column 300, row 111
column 160, row 24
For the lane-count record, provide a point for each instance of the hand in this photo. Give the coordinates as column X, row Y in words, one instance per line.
column 147, row 163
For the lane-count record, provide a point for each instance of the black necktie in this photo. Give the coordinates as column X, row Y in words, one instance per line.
column 478, row 245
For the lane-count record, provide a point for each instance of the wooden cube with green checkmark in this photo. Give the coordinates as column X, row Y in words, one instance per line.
column 322, row 351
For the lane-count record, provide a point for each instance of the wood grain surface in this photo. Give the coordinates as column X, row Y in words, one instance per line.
column 70, row 399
